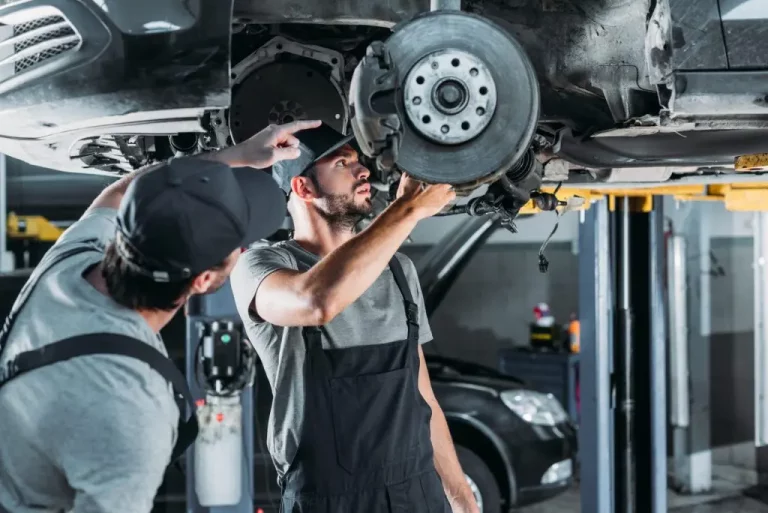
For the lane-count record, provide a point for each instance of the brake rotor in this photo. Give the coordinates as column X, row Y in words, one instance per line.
column 469, row 97
column 281, row 92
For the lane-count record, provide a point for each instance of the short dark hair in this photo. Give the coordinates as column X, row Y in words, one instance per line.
column 138, row 292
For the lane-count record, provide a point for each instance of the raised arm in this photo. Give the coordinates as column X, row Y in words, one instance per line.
column 315, row 297
column 274, row 143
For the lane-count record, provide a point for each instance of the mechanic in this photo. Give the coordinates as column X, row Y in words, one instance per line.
column 95, row 433
column 337, row 320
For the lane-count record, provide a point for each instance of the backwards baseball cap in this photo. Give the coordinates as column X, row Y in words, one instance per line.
column 314, row 144
column 188, row 215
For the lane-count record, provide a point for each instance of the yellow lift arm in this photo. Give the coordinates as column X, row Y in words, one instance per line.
column 737, row 197
column 35, row 228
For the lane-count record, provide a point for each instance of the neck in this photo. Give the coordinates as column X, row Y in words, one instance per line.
column 316, row 235
column 156, row 319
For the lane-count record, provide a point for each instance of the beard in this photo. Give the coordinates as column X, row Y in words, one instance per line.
column 342, row 211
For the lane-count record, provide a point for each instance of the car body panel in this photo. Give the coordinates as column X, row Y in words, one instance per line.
column 470, row 394
column 343, row 12
column 745, row 29
column 113, row 81
column 140, row 71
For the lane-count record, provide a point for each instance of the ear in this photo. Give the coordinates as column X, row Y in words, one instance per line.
column 303, row 188
column 202, row 283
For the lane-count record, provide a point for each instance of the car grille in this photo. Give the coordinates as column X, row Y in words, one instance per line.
column 37, row 39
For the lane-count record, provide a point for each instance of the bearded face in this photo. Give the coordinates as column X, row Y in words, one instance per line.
column 342, row 189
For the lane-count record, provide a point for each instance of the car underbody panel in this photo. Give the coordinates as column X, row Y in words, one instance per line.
column 603, row 90
column 79, row 82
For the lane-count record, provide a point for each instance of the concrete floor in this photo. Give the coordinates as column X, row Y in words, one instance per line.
column 723, row 501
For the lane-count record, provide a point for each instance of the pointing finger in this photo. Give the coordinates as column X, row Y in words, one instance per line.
column 296, row 126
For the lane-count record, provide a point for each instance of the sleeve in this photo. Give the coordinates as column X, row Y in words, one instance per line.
column 253, row 266
column 97, row 223
column 117, row 460
column 425, row 330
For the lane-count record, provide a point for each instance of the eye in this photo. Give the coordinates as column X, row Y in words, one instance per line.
column 341, row 163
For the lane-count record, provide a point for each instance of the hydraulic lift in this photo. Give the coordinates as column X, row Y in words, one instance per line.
column 622, row 436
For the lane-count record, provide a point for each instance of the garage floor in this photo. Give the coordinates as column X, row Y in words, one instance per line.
column 725, row 501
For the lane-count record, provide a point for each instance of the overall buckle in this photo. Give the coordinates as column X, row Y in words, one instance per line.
column 412, row 312
column 10, row 370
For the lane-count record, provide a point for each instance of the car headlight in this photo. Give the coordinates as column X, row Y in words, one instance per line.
column 535, row 407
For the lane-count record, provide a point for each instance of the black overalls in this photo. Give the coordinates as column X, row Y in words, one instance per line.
column 365, row 443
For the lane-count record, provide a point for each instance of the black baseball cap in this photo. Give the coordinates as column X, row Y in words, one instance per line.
column 187, row 215
column 314, row 144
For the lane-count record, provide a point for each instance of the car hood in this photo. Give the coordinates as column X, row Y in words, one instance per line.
column 444, row 369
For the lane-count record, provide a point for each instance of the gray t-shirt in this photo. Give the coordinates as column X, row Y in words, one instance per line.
column 377, row 317
column 94, row 433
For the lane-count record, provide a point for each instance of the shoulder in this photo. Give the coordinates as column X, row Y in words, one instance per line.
column 96, row 223
column 266, row 254
column 253, row 266
column 87, row 236
column 408, row 266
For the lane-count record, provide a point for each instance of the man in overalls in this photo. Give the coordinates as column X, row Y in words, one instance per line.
column 337, row 320
column 88, row 421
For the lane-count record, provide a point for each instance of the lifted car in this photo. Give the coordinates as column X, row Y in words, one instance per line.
column 503, row 95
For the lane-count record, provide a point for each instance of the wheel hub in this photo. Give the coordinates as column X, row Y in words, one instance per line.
column 450, row 96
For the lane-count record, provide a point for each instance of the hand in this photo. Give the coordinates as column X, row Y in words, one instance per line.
column 271, row 145
column 426, row 199
column 465, row 504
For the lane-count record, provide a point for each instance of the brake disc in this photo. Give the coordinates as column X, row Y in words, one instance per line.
column 466, row 96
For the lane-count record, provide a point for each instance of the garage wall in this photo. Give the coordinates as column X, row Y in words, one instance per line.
column 732, row 349
column 491, row 303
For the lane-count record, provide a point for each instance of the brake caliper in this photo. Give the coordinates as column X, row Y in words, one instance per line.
column 373, row 97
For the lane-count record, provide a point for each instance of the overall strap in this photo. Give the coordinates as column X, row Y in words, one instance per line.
column 26, row 291
column 411, row 308
column 120, row 345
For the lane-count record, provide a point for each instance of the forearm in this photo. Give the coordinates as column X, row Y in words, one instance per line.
column 446, row 461
column 113, row 194
column 346, row 273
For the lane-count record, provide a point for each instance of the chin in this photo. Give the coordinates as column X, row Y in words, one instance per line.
column 365, row 206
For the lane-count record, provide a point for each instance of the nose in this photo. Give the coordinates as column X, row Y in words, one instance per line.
column 360, row 171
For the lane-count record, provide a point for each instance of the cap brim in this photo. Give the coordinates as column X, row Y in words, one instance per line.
column 266, row 203
column 341, row 142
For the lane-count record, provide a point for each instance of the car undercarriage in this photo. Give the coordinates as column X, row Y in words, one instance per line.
column 508, row 94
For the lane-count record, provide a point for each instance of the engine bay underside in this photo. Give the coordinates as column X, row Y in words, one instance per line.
column 542, row 91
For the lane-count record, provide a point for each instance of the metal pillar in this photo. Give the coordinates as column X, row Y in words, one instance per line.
column 691, row 364
column 759, row 226
column 641, row 361
column 3, row 213
column 595, row 436
column 624, row 364
column 623, row 360
column 658, row 362
column 219, row 306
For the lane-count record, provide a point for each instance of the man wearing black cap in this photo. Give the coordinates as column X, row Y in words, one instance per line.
column 95, row 433
column 337, row 319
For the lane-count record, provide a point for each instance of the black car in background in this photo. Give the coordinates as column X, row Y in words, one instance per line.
column 516, row 445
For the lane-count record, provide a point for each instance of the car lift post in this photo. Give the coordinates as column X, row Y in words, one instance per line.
column 627, row 455
column 218, row 306
column 595, row 313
